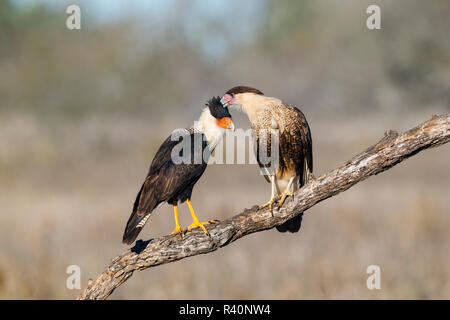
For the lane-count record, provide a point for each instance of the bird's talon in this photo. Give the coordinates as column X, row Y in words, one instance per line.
column 268, row 204
column 200, row 225
column 284, row 197
column 178, row 230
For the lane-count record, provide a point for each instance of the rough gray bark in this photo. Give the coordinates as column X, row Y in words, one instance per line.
column 388, row 152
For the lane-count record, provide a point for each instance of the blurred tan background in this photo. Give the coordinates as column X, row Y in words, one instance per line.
column 83, row 112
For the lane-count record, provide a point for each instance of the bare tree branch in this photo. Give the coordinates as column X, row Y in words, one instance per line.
column 388, row 152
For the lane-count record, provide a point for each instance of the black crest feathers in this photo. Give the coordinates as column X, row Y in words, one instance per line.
column 216, row 108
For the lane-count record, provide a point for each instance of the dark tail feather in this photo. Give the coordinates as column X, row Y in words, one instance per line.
column 292, row 225
column 134, row 225
column 136, row 221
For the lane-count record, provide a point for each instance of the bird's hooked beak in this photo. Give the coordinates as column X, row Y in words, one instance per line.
column 222, row 101
column 226, row 123
column 231, row 126
column 227, row 100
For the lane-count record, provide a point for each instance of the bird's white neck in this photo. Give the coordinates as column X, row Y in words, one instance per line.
column 207, row 124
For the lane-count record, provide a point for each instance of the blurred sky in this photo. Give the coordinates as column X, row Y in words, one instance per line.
column 230, row 16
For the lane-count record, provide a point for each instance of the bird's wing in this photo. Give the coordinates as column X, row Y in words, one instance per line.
column 306, row 138
column 295, row 143
column 164, row 153
column 165, row 178
column 302, row 132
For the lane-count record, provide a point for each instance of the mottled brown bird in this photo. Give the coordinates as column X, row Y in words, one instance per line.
column 175, row 170
column 271, row 117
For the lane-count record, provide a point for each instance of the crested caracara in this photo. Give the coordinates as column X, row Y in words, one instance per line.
column 172, row 181
column 294, row 165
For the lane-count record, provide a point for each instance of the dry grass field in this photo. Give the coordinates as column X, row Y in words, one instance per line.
column 66, row 191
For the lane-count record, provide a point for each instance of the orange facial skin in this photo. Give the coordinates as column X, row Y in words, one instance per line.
column 224, row 122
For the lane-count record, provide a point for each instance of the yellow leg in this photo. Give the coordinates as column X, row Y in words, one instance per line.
column 178, row 228
column 288, row 192
column 195, row 222
column 273, row 197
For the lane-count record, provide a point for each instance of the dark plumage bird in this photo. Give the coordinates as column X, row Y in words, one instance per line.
column 175, row 170
column 294, row 165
